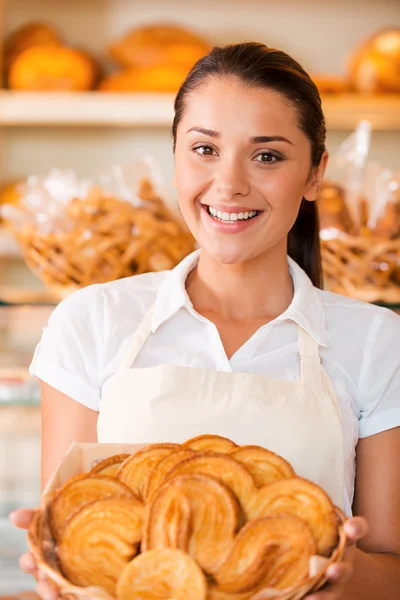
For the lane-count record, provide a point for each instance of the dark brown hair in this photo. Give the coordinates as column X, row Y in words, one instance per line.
column 257, row 65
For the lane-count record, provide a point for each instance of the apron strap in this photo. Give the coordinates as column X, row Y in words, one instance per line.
column 136, row 343
column 310, row 360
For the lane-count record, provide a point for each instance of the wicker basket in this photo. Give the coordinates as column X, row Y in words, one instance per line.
column 43, row 548
column 366, row 268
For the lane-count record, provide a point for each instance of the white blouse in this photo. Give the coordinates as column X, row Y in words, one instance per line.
column 87, row 333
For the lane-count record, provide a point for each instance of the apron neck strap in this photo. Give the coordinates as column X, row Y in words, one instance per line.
column 139, row 339
column 310, row 360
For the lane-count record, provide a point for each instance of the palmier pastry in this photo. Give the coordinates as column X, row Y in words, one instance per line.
column 197, row 514
column 135, row 470
column 159, row 473
column 79, row 491
column 264, row 466
column 303, row 499
column 52, row 68
column 274, row 552
column 213, row 443
column 109, row 466
column 100, row 540
column 224, row 468
column 162, row 575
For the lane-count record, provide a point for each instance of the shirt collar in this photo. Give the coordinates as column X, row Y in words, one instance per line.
column 306, row 308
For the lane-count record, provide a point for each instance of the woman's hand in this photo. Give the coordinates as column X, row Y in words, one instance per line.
column 338, row 574
column 22, row 518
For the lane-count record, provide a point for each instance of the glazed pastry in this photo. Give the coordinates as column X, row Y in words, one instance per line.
column 163, row 574
column 300, row 498
column 224, row 468
column 159, row 473
column 197, row 514
column 273, row 552
column 109, row 466
column 100, row 540
column 213, row 443
column 135, row 471
column 155, row 44
column 52, row 68
column 78, row 492
column 264, row 466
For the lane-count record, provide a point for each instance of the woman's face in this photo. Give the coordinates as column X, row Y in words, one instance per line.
column 242, row 167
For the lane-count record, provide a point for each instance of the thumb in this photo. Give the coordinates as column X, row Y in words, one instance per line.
column 21, row 518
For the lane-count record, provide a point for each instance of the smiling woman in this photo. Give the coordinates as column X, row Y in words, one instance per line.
column 239, row 339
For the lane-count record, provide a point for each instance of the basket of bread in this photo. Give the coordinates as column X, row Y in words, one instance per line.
column 201, row 520
column 359, row 208
column 74, row 233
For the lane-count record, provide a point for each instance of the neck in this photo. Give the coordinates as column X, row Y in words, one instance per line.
column 261, row 288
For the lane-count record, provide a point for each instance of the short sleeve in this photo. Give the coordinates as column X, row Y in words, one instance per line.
column 380, row 376
column 68, row 353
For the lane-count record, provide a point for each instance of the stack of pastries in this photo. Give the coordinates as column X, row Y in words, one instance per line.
column 203, row 520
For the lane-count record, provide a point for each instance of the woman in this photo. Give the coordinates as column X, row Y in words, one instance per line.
column 238, row 339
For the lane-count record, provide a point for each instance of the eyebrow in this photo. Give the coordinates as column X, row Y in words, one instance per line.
column 258, row 139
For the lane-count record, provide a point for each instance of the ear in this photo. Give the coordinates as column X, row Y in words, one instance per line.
column 315, row 181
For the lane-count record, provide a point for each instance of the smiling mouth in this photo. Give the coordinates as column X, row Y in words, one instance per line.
column 231, row 217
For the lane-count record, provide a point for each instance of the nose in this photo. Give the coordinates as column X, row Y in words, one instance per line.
column 231, row 179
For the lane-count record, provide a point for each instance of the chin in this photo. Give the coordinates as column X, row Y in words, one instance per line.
column 228, row 255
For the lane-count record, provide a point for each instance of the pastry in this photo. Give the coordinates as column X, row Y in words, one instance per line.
column 375, row 66
column 272, row 552
column 136, row 469
column 214, row 443
column 163, row 574
column 99, row 540
column 330, row 84
column 264, row 466
column 162, row 78
column 79, row 491
column 109, row 466
column 156, row 44
column 30, row 34
column 197, row 514
column 52, row 68
column 300, row 498
column 159, row 473
column 333, row 210
column 224, row 468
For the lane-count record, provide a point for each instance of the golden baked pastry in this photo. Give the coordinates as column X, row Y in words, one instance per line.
column 214, row 443
column 163, row 574
column 224, row 468
column 333, row 210
column 30, row 34
column 79, row 491
column 375, row 66
column 274, row 552
column 155, row 44
column 197, row 514
column 52, row 68
column 135, row 471
column 330, row 84
column 159, row 473
column 10, row 193
column 99, row 540
column 162, row 78
column 109, row 466
column 264, row 466
column 299, row 498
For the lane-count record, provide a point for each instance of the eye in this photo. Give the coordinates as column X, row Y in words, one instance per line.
column 267, row 157
column 204, row 150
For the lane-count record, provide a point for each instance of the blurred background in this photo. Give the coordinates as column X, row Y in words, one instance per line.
column 89, row 84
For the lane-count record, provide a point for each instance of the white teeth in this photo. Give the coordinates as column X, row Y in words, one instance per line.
column 225, row 216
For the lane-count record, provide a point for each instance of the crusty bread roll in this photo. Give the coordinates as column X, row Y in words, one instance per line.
column 375, row 66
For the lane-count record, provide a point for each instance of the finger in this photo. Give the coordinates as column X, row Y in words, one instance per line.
column 355, row 529
column 21, row 518
column 339, row 573
column 27, row 563
column 45, row 591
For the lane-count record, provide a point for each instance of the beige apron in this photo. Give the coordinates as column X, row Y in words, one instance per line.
column 300, row 420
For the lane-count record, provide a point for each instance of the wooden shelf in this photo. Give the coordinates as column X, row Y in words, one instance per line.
column 156, row 110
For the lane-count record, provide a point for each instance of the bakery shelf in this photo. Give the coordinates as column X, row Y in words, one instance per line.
column 156, row 110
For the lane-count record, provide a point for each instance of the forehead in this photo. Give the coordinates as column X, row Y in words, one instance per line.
column 226, row 104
